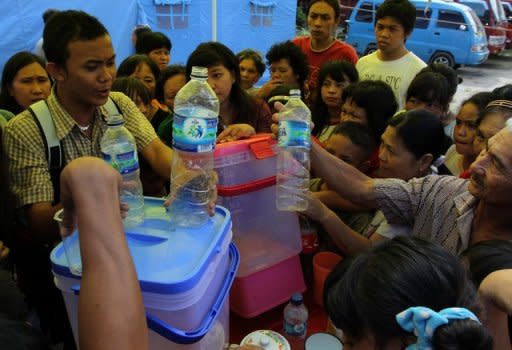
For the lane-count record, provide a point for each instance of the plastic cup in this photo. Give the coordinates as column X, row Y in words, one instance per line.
column 323, row 341
column 71, row 244
column 323, row 264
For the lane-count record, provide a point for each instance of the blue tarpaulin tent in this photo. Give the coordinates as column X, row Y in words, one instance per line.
column 237, row 23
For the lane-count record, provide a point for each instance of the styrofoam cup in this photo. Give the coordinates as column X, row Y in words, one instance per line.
column 323, row 341
column 323, row 263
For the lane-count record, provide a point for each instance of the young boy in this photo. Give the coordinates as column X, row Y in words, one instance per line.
column 321, row 46
column 392, row 62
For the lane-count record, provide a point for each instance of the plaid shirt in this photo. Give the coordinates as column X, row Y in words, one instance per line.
column 436, row 207
column 29, row 174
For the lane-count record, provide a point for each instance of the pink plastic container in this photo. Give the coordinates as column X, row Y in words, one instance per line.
column 269, row 240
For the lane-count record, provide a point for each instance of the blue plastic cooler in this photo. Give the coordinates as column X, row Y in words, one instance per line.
column 185, row 276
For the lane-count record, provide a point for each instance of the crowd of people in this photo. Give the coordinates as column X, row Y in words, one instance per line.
column 413, row 196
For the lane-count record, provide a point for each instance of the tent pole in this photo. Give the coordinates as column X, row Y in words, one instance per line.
column 214, row 20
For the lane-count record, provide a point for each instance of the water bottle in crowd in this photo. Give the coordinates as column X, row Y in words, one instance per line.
column 194, row 133
column 295, row 321
column 293, row 158
column 118, row 148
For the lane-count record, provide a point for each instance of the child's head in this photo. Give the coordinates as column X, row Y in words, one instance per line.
column 495, row 117
column 483, row 258
column 450, row 74
column 136, row 91
column 142, row 68
column 157, row 46
column 429, row 91
column 171, row 80
column 467, row 121
column 369, row 102
column 333, row 77
column 352, row 143
column 394, row 276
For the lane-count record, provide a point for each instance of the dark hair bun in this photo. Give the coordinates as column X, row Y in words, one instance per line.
column 462, row 335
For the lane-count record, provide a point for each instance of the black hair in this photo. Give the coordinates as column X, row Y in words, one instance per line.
column 132, row 87
column 279, row 90
column 255, row 56
column 430, row 87
column 48, row 13
column 295, row 57
column 13, row 65
column 211, row 54
column 358, row 134
column 401, row 10
column 65, row 27
column 486, row 257
column 130, row 64
column 398, row 274
column 150, row 41
column 332, row 3
column 503, row 92
column 339, row 71
column 422, row 132
column 166, row 74
column 449, row 73
column 141, row 29
column 480, row 100
column 377, row 99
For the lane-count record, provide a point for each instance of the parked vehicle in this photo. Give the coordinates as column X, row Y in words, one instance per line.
column 507, row 10
column 492, row 15
column 444, row 32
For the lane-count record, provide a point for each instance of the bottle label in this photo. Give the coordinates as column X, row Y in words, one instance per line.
column 295, row 329
column 294, row 133
column 194, row 134
column 125, row 163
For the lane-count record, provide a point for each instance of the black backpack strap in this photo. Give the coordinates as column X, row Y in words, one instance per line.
column 53, row 148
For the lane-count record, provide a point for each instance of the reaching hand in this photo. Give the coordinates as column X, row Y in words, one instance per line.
column 4, row 251
column 236, row 131
column 316, row 210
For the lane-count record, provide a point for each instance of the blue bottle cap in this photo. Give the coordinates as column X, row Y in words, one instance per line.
column 296, row 299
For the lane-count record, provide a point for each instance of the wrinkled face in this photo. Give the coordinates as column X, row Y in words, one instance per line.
column 146, row 76
column 466, row 124
column 221, row 80
column 342, row 147
column 390, row 35
column 331, row 91
column 30, row 84
column 491, row 172
column 396, row 161
column 171, row 88
column 488, row 127
column 161, row 57
column 281, row 71
column 432, row 107
column 351, row 112
column 248, row 73
column 321, row 21
column 89, row 71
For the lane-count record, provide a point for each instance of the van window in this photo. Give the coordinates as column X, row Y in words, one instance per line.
column 422, row 19
column 365, row 13
column 450, row 19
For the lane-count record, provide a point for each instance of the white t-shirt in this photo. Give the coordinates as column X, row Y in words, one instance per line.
column 398, row 73
column 453, row 161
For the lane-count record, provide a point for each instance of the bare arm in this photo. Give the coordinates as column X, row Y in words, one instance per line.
column 159, row 156
column 335, row 202
column 346, row 180
column 111, row 312
column 41, row 224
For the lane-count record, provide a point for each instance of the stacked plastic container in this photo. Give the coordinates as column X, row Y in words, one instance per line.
column 185, row 277
column 268, row 240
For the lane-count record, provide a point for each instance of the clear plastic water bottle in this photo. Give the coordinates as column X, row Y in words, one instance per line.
column 293, row 158
column 118, row 148
column 295, row 321
column 196, row 113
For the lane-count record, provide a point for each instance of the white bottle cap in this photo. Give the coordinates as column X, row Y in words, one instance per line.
column 295, row 93
column 199, row 72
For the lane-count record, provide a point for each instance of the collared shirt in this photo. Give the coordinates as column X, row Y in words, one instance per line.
column 30, row 180
column 435, row 207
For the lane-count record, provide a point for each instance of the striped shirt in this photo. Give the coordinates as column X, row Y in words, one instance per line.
column 435, row 207
column 24, row 146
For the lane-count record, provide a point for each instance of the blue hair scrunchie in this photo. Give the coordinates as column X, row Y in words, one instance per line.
column 424, row 322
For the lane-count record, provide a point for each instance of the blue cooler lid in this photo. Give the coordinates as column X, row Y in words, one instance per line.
column 167, row 261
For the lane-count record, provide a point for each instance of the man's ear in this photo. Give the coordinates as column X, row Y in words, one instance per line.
column 426, row 161
column 56, row 71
